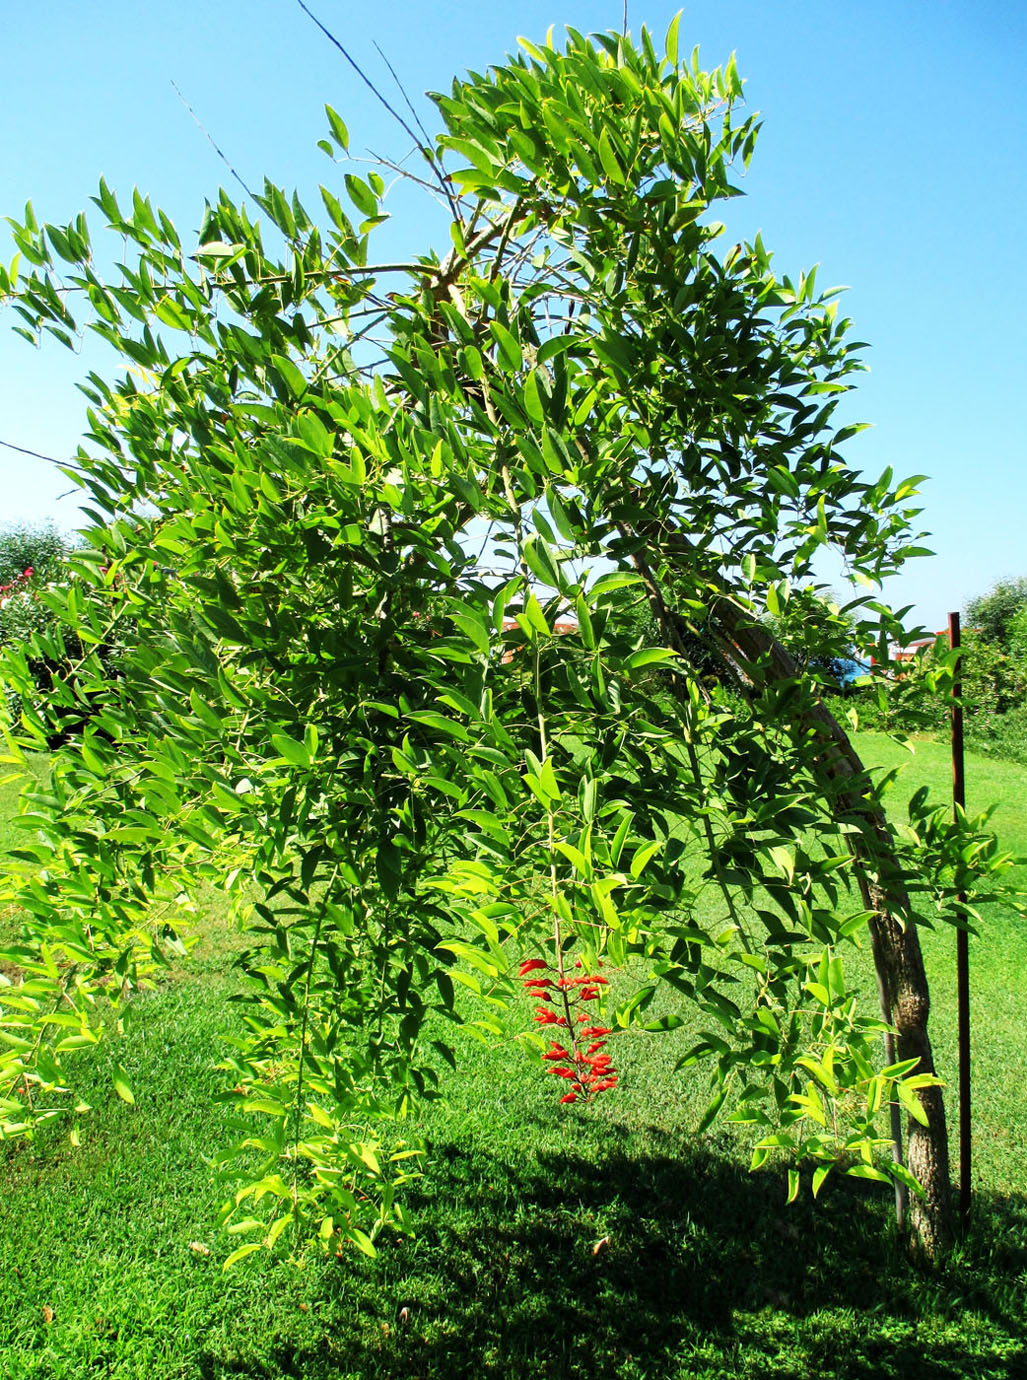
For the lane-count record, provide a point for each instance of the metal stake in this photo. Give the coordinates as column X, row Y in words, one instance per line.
column 962, row 942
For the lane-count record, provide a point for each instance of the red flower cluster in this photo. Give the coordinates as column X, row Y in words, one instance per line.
column 584, row 1064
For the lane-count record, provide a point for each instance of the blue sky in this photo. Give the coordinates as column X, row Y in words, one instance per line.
column 892, row 154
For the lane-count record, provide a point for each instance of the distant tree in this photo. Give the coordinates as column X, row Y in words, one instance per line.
column 1016, row 635
column 992, row 614
column 36, row 569
column 39, row 547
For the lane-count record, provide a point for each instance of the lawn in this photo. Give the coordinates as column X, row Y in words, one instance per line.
column 552, row 1242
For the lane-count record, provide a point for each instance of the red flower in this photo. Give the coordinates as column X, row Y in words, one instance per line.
column 531, row 965
column 589, row 1071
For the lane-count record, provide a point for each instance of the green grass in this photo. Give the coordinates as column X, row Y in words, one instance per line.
column 998, row 962
column 552, row 1242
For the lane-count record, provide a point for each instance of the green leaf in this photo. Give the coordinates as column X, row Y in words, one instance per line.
column 121, row 1085
column 556, row 345
column 474, row 153
column 339, row 131
column 900, row 1069
column 474, row 957
column 290, row 375
column 168, row 311
column 648, row 656
column 900, row 1172
column 606, row 584
column 533, row 404
column 218, row 249
column 560, row 516
column 575, row 857
column 868, row 1171
column 542, row 527
column 510, row 355
column 609, row 160
column 361, row 195
column 535, row 617
column 547, row 780
column 431, row 718
column 668, row 1022
column 643, row 856
column 362, row 1241
column 585, row 627
column 474, row 627
column 710, row 1114
column 540, row 562
column 241, row 1252
column 473, row 362
column 671, row 43
column 294, row 753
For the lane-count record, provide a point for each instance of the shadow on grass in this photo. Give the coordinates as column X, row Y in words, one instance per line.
column 672, row 1263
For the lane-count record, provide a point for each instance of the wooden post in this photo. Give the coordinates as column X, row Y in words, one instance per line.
column 962, row 944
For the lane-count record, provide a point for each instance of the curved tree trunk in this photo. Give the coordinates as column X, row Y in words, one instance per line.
column 895, row 943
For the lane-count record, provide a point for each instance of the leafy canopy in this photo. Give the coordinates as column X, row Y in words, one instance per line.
column 994, row 614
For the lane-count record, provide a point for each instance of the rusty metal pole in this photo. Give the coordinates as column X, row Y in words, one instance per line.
column 962, row 942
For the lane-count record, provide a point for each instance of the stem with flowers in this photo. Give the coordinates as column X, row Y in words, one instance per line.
column 585, row 1065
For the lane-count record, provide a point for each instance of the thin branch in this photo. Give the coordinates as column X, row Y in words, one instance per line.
column 402, row 91
column 425, row 148
column 210, row 140
column 377, row 160
column 37, row 455
column 360, row 72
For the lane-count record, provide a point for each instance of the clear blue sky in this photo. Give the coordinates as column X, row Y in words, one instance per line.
column 892, row 155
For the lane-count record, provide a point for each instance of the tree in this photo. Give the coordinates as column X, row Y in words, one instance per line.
column 39, row 548
column 992, row 614
column 337, row 701
column 32, row 558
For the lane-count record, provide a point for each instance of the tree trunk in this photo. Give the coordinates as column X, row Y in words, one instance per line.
column 895, row 941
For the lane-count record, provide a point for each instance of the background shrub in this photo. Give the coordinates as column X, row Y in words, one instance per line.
column 33, row 558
